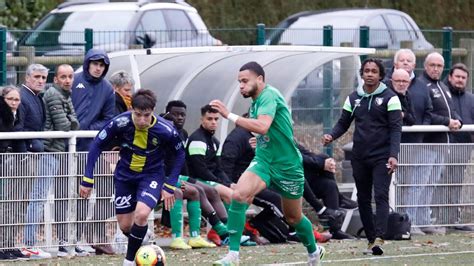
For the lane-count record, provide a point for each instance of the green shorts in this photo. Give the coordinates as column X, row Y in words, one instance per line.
column 209, row 183
column 186, row 178
column 181, row 178
column 289, row 182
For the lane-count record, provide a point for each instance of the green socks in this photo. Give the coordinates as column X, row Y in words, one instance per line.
column 194, row 212
column 236, row 222
column 304, row 230
column 176, row 218
column 220, row 229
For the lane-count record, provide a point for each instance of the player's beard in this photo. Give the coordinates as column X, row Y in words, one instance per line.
column 251, row 92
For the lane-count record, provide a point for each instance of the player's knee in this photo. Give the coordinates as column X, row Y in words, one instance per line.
column 200, row 191
column 212, row 193
column 125, row 228
column 141, row 217
column 178, row 194
column 293, row 218
column 191, row 193
column 239, row 196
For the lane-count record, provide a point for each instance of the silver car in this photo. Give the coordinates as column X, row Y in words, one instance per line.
column 118, row 26
column 388, row 27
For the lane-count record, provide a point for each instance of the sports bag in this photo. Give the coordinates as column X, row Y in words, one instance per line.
column 270, row 226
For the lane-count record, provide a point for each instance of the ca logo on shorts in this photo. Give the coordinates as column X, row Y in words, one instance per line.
column 123, row 202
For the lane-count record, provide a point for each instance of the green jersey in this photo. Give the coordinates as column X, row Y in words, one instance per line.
column 277, row 146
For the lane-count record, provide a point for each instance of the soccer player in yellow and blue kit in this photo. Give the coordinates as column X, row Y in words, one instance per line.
column 277, row 162
column 139, row 177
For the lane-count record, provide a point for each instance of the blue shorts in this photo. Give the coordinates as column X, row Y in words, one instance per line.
column 128, row 193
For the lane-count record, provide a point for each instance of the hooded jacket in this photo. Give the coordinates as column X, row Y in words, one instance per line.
column 93, row 98
column 378, row 123
column 443, row 109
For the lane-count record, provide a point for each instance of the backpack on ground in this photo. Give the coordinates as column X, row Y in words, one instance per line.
column 398, row 227
column 270, row 226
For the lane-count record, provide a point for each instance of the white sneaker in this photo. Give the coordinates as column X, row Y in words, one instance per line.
column 128, row 263
column 231, row 259
column 316, row 257
column 80, row 252
column 148, row 239
column 35, row 253
column 86, row 247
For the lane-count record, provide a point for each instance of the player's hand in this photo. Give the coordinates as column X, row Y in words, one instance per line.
column 326, row 139
column 330, row 165
column 168, row 199
column 392, row 165
column 220, row 107
column 253, row 142
column 85, row 192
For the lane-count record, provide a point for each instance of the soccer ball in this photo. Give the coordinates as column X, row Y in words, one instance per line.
column 150, row 255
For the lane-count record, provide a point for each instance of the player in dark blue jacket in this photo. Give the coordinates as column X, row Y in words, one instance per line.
column 139, row 177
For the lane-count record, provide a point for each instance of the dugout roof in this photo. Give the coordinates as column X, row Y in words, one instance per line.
column 197, row 75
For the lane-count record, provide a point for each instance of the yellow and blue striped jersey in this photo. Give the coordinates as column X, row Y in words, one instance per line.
column 142, row 151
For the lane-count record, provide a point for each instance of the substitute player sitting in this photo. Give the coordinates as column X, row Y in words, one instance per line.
column 139, row 177
column 277, row 162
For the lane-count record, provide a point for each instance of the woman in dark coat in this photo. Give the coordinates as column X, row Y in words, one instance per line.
column 10, row 118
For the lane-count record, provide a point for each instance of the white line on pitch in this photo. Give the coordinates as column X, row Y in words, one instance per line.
column 378, row 257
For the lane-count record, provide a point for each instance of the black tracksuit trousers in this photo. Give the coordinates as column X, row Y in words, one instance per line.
column 368, row 174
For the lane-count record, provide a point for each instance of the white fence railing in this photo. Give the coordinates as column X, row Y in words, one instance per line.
column 39, row 200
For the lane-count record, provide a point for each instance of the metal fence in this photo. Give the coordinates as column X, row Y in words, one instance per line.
column 23, row 47
column 435, row 184
column 40, row 205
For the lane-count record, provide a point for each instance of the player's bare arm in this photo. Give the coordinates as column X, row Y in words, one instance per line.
column 259, row 125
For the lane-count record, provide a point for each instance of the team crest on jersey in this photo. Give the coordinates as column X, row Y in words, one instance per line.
column 102, row 134
column 122, row 121
column 378, row 101
column 154, row 141
column 357, row 102
column 436, row 93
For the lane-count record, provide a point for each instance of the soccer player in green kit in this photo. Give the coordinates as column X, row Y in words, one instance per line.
column 277, row 162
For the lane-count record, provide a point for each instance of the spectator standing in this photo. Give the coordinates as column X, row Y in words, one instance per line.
column 32, row 110
column 10, row 121
column 378, row 126
column 60, row 116
column 123, row 85
column 92, row 95
column 94, row 102
column 463, row 100
column 443, row 113
column 400, row 83
column 419, row 97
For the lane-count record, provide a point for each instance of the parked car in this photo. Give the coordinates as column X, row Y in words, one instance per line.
column 117, row 26
column 11, row 48
column 388, row 27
